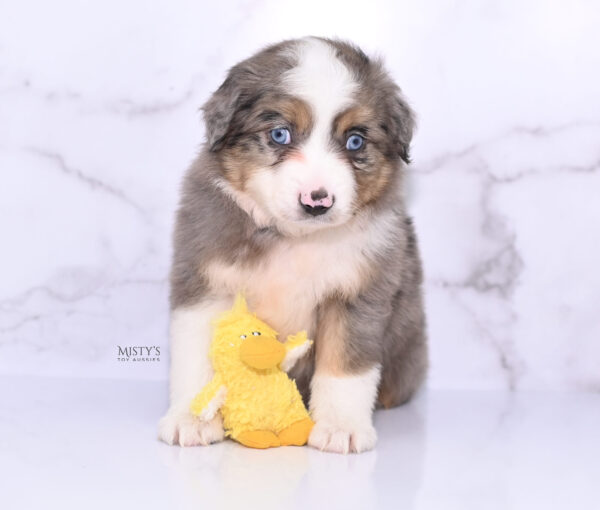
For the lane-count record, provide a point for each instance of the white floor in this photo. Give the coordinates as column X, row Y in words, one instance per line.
column 91, row 444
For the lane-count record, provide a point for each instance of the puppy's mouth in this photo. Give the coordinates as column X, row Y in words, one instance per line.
column 313, row 220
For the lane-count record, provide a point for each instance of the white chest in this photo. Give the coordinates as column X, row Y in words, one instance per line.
column 286, row 286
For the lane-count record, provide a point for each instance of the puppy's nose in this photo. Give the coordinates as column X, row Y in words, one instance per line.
column 316, row 202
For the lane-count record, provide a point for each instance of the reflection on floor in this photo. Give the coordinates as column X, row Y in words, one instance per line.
column 91, row 444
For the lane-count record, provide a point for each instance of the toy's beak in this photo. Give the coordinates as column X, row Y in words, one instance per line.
column 260, row 352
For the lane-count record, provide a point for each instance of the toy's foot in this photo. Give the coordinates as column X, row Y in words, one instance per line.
column 297, row 433
column 258, row 439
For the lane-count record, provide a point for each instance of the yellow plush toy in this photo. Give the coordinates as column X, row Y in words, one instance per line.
column 261, row 406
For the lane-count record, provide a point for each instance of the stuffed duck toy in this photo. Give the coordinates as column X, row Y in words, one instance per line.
column 260, row 405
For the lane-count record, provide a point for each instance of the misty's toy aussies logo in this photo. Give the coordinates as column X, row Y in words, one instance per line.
column 138, row 353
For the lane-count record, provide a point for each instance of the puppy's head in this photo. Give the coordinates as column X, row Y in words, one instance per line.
column 308, row 132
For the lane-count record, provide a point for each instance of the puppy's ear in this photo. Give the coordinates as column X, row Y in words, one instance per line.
column 246, row 83
column 220, row 108
column 403, row 123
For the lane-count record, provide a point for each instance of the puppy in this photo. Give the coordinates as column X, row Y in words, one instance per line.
column 296, row 199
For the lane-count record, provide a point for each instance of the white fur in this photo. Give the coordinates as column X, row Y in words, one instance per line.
column 209, row 412
column 342, row 408
column 322, row 79
column 191, row 334
column 293, row 355
column 298, row 273
column 325, row 83
column 186, row 429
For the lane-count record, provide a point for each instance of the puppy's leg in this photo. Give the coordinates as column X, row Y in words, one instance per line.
column 343, row 392
column 405, row 339
column 191, row 334
column 405, row 364
column 342, row 408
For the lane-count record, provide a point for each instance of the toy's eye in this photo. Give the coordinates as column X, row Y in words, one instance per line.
column 256, row 333
column 242, row 336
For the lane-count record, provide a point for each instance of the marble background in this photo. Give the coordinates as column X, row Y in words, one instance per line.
column 98, row 121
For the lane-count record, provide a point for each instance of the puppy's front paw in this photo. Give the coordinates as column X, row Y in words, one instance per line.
column 185, row 429
column 334, row 438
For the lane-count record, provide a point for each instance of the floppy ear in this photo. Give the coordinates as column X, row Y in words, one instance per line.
column 403, row 124
column 219, row 109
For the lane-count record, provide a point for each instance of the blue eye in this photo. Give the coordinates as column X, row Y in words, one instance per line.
column 354, row 142
column 281, row 136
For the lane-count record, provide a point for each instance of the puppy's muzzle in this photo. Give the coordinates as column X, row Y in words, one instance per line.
column 316, row 202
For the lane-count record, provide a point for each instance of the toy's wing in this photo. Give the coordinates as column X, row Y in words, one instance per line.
column 208, row 402
column 296, row 347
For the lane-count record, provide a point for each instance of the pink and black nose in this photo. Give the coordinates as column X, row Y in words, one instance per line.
column 316, row 202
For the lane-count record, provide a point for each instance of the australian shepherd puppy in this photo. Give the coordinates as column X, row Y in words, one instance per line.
column 296, row 200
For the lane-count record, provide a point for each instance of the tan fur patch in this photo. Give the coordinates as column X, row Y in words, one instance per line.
column 331, row 338
column 371, row 184
column 247, row 148
column 355, row 116
column 372, row 169
column 386, row 397
column 239, row 165
column 295, row 111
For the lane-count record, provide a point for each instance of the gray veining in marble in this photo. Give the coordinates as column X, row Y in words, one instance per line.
column 99, row 119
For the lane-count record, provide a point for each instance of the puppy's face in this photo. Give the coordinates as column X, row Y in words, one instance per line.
column 308, row 133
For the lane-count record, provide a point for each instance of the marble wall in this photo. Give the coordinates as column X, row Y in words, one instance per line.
column 98, row 121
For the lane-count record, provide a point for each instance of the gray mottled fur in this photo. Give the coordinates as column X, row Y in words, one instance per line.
column 386, row 323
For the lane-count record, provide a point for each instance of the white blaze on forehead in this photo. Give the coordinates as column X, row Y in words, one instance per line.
column 323, row 81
